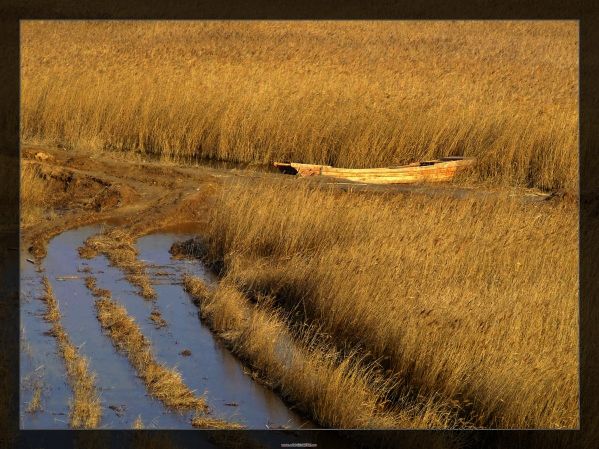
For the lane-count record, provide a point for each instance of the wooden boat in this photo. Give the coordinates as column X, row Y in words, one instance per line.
column 437, row 170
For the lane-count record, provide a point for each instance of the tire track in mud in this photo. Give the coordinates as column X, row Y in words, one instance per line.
column 123, row 395
column 186, row 343
column 38, row 356
column 117, row 245
column 229, row 388
column 165, row 384
column 162, row 383
column 130, row 338
column 84, row 408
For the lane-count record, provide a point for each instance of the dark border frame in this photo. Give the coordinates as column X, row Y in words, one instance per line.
column 11, row 14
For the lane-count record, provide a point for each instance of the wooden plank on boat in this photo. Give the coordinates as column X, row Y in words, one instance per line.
column 437, row 170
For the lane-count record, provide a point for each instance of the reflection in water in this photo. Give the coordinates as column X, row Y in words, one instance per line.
column 209, row 369
column 116, row 380
column 39, row 360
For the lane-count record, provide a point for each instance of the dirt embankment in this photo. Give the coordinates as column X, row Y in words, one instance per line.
column 76, row 188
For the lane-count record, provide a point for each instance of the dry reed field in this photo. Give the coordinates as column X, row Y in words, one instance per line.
column 473, row 302
column 352, row 94
column 427, row 307
column 311, row 375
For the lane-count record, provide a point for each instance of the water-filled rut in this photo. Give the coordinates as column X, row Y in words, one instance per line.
column 184, row 343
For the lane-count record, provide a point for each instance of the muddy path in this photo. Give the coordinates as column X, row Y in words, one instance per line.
column 148, row 196
column 140, row 194
column 183, row 342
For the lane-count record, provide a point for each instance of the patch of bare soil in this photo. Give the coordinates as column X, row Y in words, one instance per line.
column 143, row 197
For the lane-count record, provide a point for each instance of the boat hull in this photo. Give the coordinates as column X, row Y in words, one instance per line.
column 439, row 170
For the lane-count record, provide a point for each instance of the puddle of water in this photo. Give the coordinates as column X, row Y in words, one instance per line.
column 115, row 378
column 210, row 368
column 39, row 358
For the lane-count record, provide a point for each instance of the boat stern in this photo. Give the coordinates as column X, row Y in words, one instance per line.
column 286, row 168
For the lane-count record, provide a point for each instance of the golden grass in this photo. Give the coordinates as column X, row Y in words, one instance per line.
column 475, row 300
column 35, row 403
column 138, row 424
column 118, row 246
column 85, row 408
column 165, row 384
column 205, row 422
column 352, row 94
column 157, row 319
column 34, row 199
column 335, row 391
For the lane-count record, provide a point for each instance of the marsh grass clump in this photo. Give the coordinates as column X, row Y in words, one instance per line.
column 350, row 94
column 206, row 422
column 85, row 407
column 138, row 424
column 33, row 197
column 35, row 403
column 470, row 300
column 157, row 319
column 119, row 247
